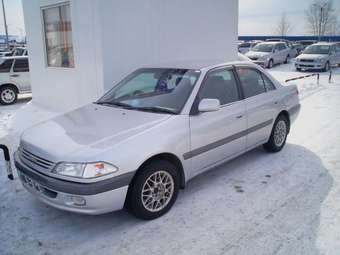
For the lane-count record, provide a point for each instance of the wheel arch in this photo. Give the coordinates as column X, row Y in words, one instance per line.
column 164, row 156
column 170, row 157
column 10, row 85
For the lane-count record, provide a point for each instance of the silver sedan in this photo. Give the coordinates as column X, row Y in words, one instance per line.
column 150, row 134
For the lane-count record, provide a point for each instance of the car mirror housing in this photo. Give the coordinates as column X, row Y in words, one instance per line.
column 209, row 105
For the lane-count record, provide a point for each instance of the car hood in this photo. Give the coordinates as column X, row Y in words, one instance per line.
column 87, row 129
column 312, row 56
column 255, row 54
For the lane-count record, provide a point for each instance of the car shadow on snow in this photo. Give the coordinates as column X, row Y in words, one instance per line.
column 258, row 203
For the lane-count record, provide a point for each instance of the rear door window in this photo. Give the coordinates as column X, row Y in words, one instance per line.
column 21, row 65
column 5, row 66
column 268, row 84
column 251, row 81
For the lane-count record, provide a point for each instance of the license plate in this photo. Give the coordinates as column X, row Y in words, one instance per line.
column 33, row 184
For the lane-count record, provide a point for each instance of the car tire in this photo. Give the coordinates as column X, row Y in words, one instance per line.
column 298, row 69
column 8, row 95
column 327, row 67
column 286, row 60
column 154, row 190
column 270, row 64
column 278, row 135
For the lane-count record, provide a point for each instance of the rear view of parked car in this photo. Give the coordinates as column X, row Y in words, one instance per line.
column 14, row 78
column 268, row 54
column 319, row 56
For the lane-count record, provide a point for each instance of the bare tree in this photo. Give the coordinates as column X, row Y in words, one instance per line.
column 321, row 18
column 283, row 26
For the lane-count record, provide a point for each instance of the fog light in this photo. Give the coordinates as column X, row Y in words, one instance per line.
column 79, row 201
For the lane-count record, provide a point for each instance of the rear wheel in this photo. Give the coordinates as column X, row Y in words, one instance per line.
column 278, row 135
column 154, row 190
column 270, row 64
column 8, row 95
column 286, row 60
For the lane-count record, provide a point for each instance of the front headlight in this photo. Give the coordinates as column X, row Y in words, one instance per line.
column 84, row 170
column 320, row 60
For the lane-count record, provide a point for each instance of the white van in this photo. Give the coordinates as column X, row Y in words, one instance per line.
column 14, row 78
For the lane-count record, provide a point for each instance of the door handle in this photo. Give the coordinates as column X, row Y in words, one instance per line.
column 14, row 75
column 276, row 102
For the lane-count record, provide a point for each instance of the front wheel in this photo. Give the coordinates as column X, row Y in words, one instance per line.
column 327, row 67
column 278, row 135
column 154, row 190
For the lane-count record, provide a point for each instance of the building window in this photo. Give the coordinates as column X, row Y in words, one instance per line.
column 58, row 36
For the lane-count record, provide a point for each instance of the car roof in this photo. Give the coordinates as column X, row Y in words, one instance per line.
column 274, row 42
column 199, row 64
column 326, row 43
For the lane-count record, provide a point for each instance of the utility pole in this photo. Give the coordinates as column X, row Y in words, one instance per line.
column 320, row 23
column 5, row 23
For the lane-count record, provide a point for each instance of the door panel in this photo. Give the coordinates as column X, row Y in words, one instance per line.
column 261, row 110
column 217, row 135
column 261, row 105
column 22, row 80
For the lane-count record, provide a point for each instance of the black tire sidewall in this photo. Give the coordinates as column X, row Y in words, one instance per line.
column 270, row 145
column 14, row 91
column 270, row 64
column 135, row 202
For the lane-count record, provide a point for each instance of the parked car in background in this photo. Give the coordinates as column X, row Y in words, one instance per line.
column 244, row 47
column 180, row 120
column 306, row 43
column 14, row 78
column 319, row 56
column 298, row 47
column 268, row 54
column 293, row 51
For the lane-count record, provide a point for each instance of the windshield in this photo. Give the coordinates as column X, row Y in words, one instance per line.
column 263, row 47
column 317, row 49
column 153, row 89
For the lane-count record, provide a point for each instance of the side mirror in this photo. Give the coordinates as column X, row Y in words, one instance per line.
column 209, row 105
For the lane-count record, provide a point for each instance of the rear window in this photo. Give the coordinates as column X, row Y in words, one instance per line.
column 21, row 65
column 5, row 66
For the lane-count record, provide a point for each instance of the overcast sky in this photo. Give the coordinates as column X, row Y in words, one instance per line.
column 259, row 17
column 256, row 17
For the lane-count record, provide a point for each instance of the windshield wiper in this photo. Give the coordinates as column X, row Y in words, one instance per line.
column 120, row 104
column 158, row 109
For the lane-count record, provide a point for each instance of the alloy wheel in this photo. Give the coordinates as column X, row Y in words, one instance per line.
column 157, row 191
column 280, row 133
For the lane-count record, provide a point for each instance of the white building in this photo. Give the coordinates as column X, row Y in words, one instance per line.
column 81, row 48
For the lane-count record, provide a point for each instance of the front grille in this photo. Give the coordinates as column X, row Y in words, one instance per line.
column 253, row 58
column 306, row 60
column 34, row 161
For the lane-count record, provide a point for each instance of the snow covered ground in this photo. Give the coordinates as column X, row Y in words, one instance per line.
column 259, row 203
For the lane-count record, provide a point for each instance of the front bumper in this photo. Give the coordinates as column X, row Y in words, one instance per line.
column 309, row 65
column 261, row 63
column 87, row 198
